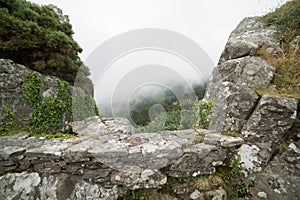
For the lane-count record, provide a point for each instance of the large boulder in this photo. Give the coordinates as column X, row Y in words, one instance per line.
column 12, row 77
column 265, row 130
column 273, row 116
column 231, row 86
column 249, row 36
column 230, row 89
column 280, row 179
column 262, row 121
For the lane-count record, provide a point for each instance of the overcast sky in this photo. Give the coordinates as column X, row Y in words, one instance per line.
column 207, row 22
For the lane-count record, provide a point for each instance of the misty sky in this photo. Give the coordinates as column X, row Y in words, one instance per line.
column 134, row 44
column 207, row 22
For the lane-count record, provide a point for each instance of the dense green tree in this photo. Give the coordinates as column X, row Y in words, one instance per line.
column 178, row 114
column 33, row 35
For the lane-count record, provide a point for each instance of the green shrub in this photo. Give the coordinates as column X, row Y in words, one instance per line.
column 9, row 121
column 139, row 194
column 202, row 114
column 287, row 21
column 34, row 36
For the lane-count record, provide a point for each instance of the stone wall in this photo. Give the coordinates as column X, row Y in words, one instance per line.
column 108, row 160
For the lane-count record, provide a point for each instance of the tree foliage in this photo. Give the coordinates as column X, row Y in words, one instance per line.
column 181, row 114
column 34, row 36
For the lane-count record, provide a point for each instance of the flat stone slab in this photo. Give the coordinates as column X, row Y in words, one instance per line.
column 108, row 163
column 118, row 151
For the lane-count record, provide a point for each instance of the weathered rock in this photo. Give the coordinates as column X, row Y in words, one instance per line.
column 12, row 76
column 247, row 38
column 280, row 179
column 251, row 160
column 263, row 122
column 119, row 125
column 273, row 116
column 59, row 12
column 106, row 166
column 239, row 71
column 25, row 183
column 232, row 104
column 253, row 72
column 11, row 79
column 101, row 126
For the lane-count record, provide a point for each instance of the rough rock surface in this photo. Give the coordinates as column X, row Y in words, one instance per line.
column 99, row 126
column 239, row 71
column 247, row 38
column 261, row 121
column 272, row 117
column 106, row 166
column 12, row 76
column 265, row 129
column 280, row 179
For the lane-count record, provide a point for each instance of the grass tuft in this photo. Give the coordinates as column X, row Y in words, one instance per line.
column 286, row 81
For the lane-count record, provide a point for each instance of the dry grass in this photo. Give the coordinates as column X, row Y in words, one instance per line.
column 286, row 81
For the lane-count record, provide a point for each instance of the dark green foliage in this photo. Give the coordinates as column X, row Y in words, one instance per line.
column 240, row 191
column 34, row 36
column 287, row 20
column 83, row 105
column 47, row 113
column 32, row 90
column 178, row 115
column 231, row 172
column 202, row 114
column 9, row 121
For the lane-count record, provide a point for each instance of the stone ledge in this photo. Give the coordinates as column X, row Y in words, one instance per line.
column 110, row 161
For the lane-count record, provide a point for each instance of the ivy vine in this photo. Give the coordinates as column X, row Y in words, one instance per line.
column 48, row 112
column 9, row 121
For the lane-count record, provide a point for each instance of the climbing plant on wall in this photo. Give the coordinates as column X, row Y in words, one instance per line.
column 48, row 112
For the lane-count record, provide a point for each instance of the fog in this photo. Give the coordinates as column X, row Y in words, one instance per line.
column 135, row 47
